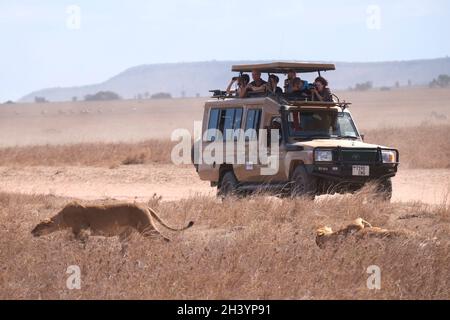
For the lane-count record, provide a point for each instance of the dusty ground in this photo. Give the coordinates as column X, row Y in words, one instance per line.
column 140, row 182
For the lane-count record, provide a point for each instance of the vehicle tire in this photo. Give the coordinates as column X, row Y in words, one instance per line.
column 384, row 189
column 303, row 184
column 228, row 186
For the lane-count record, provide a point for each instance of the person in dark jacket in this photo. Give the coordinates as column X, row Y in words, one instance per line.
column 321, row 92
column 273, row 85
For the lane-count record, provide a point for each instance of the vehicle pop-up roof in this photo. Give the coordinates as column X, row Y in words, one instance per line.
column 284, row 67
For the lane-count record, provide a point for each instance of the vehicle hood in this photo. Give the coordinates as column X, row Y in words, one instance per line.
column 333, row 143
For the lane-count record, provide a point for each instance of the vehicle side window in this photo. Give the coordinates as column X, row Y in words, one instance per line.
column 252, row 123
column 237, row 122
column 232, row 121
column 228, row 124
column 237, row 119
column 224, row 120
column 213, row 123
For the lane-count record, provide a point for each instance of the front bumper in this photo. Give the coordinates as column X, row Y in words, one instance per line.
column 341, row 170
column 344, row 172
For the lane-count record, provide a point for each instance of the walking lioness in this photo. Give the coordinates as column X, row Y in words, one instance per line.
column 104, row 220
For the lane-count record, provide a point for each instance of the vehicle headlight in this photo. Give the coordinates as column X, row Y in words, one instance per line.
column 389, row 156
column 323, row 156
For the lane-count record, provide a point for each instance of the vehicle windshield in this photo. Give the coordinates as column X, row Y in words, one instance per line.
column 321, row 124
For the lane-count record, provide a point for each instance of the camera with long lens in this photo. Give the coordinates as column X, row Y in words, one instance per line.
column 310, row 86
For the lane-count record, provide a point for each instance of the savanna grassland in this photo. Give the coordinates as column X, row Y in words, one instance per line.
column 259, row 247
column 256, row 248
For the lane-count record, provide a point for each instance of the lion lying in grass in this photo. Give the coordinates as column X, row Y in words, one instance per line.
column 359, row 228
column 105, row 220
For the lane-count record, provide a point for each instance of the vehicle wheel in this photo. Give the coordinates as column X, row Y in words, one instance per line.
column 229, row 185
column 384, row 189
column 303, row 184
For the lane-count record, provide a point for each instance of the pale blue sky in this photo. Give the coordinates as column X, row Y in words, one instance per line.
column 38, row 49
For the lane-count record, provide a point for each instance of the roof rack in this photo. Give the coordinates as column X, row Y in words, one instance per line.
column 343, row 105
column 284, row 67
column 283, row 99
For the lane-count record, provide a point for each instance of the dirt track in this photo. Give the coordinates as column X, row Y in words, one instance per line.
column 140, row 182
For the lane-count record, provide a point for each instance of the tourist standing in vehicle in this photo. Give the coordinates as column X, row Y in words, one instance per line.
column 273, row 85
column 299, row 89
column 289, row 82
column 258, row 85
column 242, row 83
column 321, row 92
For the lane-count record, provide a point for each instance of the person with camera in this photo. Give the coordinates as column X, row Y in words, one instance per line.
column 320, row 91
column 242, row 83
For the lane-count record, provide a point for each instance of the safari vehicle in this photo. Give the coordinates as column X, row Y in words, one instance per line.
column 320, row 149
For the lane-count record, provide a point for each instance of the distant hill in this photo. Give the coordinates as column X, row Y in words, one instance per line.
column 196, row 78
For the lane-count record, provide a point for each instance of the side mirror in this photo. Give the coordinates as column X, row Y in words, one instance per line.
column 362, row 135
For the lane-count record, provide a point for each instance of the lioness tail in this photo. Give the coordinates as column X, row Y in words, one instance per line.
column 154, row 215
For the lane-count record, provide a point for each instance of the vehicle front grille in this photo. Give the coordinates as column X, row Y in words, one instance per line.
column 358, row 156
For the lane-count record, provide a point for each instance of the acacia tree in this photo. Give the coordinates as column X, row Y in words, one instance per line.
column 102, row 96
column 442, row 81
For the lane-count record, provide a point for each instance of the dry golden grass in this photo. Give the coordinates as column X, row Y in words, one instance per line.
column 257, row 248
column 89, row 154
column 425, row 146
